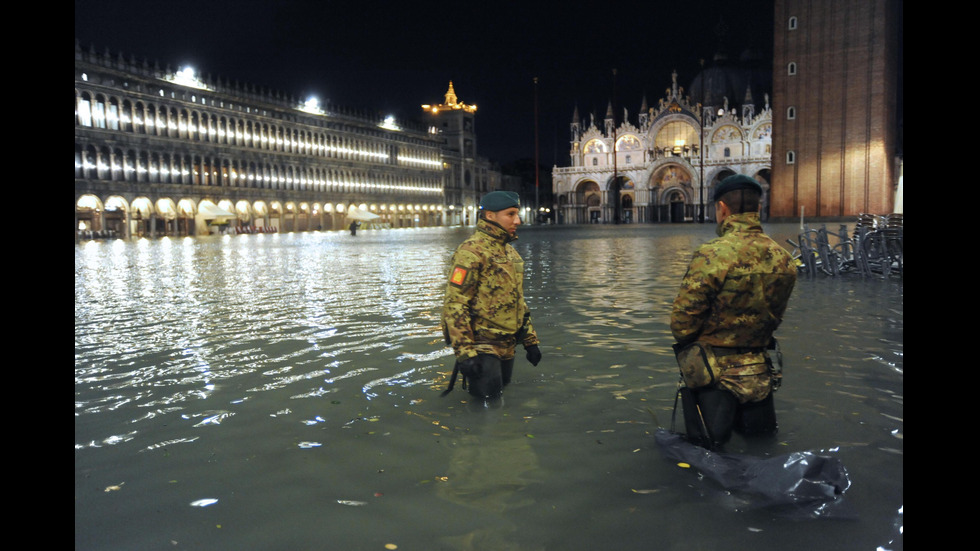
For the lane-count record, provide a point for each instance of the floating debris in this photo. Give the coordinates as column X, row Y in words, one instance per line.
column 800, row 484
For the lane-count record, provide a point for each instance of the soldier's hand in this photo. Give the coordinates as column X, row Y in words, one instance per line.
column 471, row 367
column 533, row 354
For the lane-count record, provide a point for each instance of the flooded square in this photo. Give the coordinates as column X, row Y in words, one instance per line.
column 282, row 392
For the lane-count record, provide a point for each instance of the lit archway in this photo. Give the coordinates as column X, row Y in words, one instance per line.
column 185, row 217
column 114, row 217
column 141, row 217
column 88, row 213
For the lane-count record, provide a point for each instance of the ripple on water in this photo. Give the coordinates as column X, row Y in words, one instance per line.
column 246, row 371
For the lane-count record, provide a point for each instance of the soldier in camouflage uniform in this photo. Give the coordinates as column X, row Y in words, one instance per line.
column 732, row 298
column 484, row 315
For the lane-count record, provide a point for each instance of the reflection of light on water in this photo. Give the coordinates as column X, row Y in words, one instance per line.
column 241, row 354
column 441, row 353
column 401, row 379
column 210, row 418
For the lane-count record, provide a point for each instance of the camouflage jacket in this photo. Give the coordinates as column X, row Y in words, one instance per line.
column 484, row 308
column 734, row 294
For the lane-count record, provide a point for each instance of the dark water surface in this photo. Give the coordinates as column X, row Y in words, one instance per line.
column 282, row 392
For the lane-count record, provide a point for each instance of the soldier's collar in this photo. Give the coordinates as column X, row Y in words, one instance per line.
column 495, row 230
column 746, row 221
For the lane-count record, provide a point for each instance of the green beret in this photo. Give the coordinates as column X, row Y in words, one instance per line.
column 736, row 182
column 500, row 200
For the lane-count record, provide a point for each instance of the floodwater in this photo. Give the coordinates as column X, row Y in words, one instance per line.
column 282, row 392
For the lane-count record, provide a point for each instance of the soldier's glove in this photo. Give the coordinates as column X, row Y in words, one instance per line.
column 533, row 354
column 471, row 368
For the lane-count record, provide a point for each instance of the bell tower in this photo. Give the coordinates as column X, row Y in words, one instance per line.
column 455, row 122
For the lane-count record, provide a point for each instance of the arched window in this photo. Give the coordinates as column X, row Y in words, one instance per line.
column 154, row 168
column 127, row 116
column 98, row 112
column 143, row 167
column 113, row 114
column 83, row 110
column 116, row 161
column 91, row 163
column 677, row 138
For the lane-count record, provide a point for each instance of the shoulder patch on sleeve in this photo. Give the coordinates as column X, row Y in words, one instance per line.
column 458, row 276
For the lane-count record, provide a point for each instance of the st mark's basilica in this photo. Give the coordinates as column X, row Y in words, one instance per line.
column 652, row 169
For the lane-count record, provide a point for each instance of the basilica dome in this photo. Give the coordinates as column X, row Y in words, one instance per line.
column 746, row 80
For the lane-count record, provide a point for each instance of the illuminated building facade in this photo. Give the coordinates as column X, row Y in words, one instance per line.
column 836, row 145
column 159, row 152
column 653, row 171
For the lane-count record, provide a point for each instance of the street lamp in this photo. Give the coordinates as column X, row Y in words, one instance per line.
column 701, row 148
column 537, row 170
column 615, row 182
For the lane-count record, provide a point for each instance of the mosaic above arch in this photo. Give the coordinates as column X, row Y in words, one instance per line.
column 727, row 134
column 628, row 143
column 670, row 176
column 594, row 146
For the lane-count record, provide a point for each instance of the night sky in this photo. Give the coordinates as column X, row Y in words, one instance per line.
column 392, row 57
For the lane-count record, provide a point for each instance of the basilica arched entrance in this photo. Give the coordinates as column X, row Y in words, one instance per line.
column 671, row 181
column 676, row 204
column 621, row 191
column 628, row 208
column 586, row 204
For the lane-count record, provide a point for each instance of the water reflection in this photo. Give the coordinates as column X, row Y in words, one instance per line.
column 291, row 382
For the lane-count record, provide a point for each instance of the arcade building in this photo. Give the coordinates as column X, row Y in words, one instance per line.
column 160, row 152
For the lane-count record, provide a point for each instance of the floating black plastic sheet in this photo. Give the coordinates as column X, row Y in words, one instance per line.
column 797, row 485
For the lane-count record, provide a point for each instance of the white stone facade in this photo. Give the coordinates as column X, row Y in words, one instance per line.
column 656, row 172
